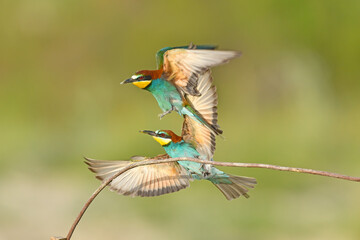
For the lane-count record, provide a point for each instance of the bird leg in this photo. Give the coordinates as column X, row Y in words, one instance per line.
column 206, row 170
column 161, row 115
column 192, row 46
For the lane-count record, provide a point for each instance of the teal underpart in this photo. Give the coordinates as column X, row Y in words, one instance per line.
column 196, row 170
column 168, row 97
column 166, row 94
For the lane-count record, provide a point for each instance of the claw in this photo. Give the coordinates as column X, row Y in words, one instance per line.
column 161, row 115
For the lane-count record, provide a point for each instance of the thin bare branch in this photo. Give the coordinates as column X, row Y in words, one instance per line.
column 225, row 164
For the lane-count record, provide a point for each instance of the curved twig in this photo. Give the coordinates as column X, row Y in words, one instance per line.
column 225, row 164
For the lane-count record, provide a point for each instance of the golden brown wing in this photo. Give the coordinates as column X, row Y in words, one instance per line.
column 144, row 181
column 206, row 105
column 183, row 66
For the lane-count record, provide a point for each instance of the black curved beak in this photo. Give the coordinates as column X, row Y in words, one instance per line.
column 151, row 133
column 130, row 80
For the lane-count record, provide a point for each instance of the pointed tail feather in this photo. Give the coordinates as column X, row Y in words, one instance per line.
column 238, row 187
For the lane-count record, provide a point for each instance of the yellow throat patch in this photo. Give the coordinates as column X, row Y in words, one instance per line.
column 142, row 84
column 162, row 141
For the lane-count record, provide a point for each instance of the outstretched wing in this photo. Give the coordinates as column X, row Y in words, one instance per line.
column 144, row 181
column 161, row 52
column 183, row 66
column 206, row 105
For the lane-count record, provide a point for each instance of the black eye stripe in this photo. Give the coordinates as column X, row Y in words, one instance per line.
column 144, row 78
column 163, row 135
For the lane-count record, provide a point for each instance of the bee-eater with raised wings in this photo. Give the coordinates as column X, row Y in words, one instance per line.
column 196, row 141
column 177, row 77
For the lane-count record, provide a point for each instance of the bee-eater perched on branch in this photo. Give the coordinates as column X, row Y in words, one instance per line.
column 196, row 141
column 177, row 78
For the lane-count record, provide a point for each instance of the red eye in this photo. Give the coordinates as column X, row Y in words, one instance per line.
column 141, row 78
column 162, row 135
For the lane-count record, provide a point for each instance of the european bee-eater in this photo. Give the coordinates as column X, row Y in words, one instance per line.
column 177, row 77
column 196, row 141
column 175, row 146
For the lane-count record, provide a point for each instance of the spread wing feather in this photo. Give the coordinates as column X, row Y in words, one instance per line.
column 206, row 105
column 161, row 52
column 183, row 66
column 144, row 181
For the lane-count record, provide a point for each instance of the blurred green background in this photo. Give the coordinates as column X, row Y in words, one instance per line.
column 292, row 99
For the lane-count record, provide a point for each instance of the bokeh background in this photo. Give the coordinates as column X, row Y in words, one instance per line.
column 292, row 99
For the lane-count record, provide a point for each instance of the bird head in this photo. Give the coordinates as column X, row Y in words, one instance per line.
column 141, row 79
column 164, row 137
